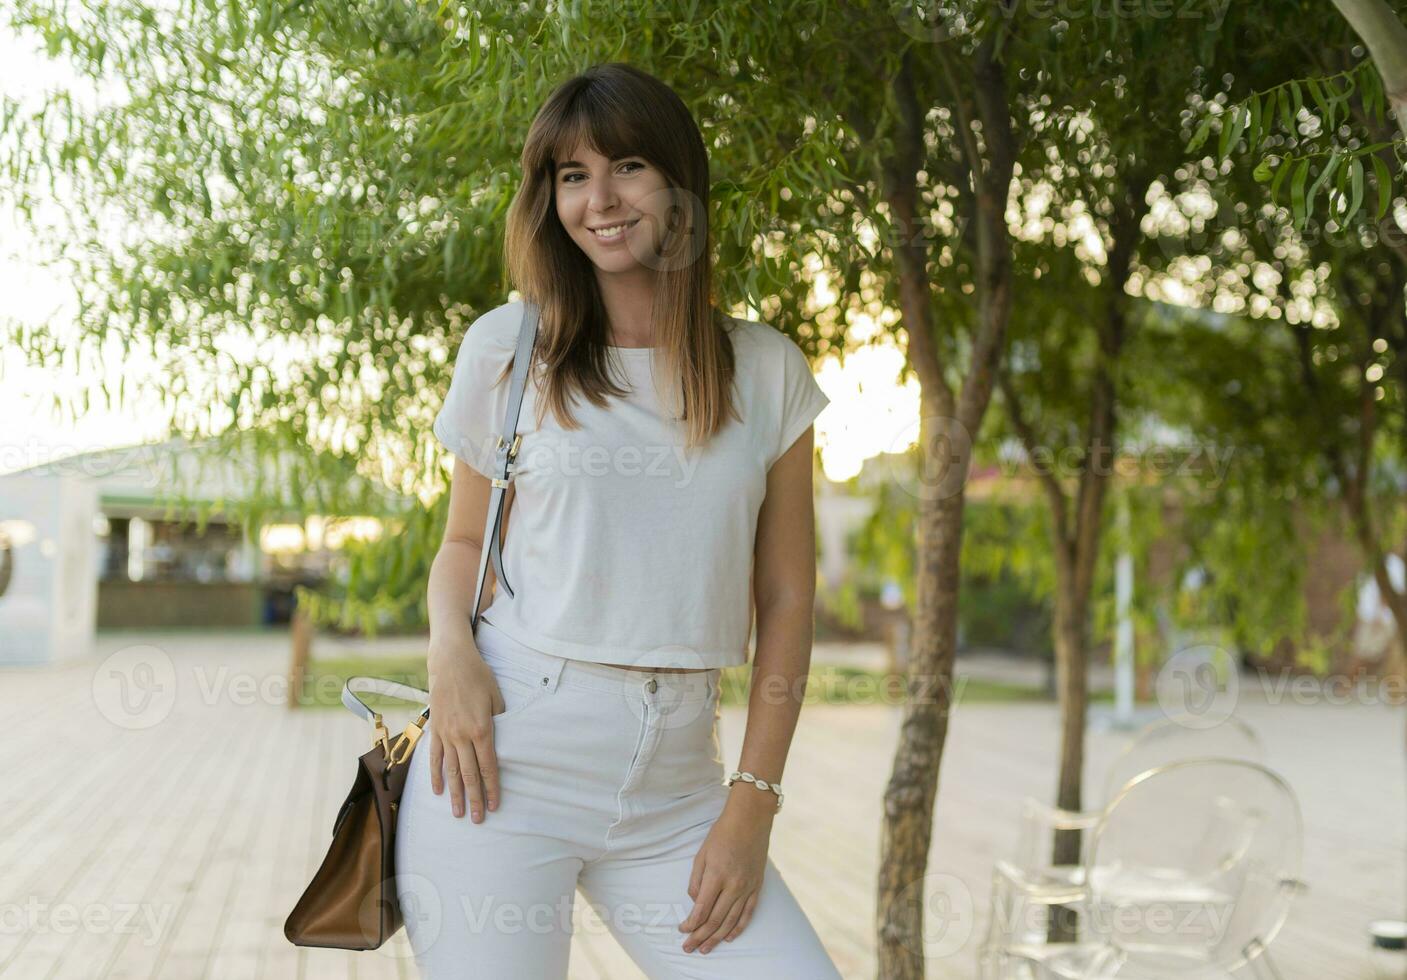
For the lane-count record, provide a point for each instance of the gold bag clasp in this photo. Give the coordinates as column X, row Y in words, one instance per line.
column 405, row 744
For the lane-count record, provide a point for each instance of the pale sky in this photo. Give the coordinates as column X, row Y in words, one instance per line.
column 869, row 414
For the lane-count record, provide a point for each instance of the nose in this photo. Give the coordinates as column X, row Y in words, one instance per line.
column 603, row 196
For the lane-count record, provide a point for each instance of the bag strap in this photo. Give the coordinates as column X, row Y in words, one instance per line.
column 505, row 458
column 376, row 685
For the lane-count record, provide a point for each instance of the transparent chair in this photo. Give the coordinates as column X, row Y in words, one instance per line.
column 1036, row 891
column 1189, row 872
column 1178, row 738
column 1036, row 882
column 1024, row 920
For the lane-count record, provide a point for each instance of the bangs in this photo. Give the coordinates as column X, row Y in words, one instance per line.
column 594, row 120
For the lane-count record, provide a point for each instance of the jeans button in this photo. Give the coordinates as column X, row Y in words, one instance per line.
column 651, row 685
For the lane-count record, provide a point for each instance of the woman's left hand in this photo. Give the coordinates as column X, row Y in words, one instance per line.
column 726, row 879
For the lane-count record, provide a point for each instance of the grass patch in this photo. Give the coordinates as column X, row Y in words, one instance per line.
column 322, row 688
column 827, row 684
column 830, row 684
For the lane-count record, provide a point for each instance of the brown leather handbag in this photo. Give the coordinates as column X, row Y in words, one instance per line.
column 351, row 902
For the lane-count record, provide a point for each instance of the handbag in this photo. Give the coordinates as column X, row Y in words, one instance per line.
column 351, row 903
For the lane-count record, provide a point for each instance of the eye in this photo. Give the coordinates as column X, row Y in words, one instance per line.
column 567, row 177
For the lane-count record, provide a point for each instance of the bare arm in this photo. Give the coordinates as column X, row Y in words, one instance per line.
column 728, row 870
column 784, row 591
column 464, row 696
column 456, row 565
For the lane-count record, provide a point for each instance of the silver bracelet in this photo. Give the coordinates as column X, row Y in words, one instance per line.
column 748, row 777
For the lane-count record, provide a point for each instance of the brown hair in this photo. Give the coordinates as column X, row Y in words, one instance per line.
column 618, row 110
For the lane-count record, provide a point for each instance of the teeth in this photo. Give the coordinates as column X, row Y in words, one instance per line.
column 614, row 231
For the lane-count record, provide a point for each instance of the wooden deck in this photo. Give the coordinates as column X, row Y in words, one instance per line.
column 175, row 850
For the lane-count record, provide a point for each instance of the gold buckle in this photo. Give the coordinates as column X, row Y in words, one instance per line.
column 382, row 736
column 513, row 449
column 406, row 743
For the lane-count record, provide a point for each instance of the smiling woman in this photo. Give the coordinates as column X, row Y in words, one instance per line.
column 659, row 482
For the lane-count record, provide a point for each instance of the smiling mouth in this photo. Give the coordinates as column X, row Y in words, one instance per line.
column 611, row 233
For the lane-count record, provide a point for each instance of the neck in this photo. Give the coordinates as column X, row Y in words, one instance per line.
column 629, row 300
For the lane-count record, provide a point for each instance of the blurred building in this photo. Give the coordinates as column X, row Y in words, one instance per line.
column 155, row 536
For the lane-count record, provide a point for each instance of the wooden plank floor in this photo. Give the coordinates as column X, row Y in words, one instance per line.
column 162, row 810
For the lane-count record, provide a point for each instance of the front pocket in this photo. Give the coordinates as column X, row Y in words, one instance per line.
column 519, row 685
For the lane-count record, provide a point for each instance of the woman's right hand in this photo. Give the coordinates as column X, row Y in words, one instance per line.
column 464, row 697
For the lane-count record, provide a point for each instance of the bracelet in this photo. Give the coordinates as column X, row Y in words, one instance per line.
column 748, row 777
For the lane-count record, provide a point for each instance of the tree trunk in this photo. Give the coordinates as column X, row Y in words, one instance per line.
column 1076, row 533
column 913, row 784
column 301, row 642
column 1381, row 29
column 948, row 425
column 1072, row 682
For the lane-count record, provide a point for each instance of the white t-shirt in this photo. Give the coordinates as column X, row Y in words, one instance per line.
column 621, row 547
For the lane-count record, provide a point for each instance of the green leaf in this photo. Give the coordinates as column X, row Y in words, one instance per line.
column 1297, row 192
column 1356, row 180
column 1339, row 94
column 1341, row 177
column 1372, row 87
column 1285, row 167
column 1328, row 171
column 1384, row 182
column 1200, row 136
column 1320, row 101
column 1230, row 133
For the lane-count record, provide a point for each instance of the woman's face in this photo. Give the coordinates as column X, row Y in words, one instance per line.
column 615, row 210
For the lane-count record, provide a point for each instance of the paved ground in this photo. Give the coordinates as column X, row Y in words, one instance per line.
column 162, row 810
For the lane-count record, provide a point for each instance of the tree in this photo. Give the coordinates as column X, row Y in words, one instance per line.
column 1341, row 124
column 1335, row 286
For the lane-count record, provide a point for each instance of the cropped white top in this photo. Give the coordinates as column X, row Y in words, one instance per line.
column 621, row 547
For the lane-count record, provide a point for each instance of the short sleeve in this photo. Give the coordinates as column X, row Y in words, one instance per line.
column 802, row 398
column 469, row 421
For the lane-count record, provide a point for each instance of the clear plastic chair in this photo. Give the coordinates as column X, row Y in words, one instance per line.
column 1042, row 880
column 1049, row 856
column 1031, row 880
column 1018, row 939
column 1179, row 738
column 1190, row 872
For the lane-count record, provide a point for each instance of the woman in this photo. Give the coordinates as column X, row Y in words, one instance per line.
column 665, row 468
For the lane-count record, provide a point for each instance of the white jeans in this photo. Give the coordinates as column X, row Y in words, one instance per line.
column 611, row 779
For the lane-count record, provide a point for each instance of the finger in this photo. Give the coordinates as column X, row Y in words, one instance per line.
column 473, row 785
column 726, row 926
column 488, row 766
column 703, row 896
column 454, row 779
column 437, row 758
column 696, row 876
column 709, row 929
column 746, row 917
column 718, row 908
